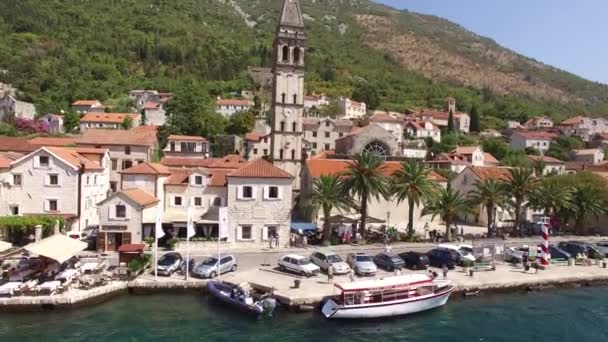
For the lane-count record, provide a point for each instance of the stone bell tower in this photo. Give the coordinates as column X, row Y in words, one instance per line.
column 288, row 91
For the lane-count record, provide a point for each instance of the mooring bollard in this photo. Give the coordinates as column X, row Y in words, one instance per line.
column 604, row 264
column 571, row 262
column 296, row 283
column 471, row 273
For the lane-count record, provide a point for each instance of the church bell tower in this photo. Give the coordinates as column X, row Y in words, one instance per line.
column 288, row 91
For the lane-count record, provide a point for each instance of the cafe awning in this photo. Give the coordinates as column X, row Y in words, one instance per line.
column 4, row 246
column 303, row 227
column 57, row 247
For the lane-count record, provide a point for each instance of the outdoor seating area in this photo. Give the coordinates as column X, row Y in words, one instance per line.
column 52, row 266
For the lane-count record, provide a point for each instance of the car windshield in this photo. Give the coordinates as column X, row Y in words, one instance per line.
column 332, row 258
column 167, row 260
column 303, row 262
column 396, row 259
column 363, row 258
column 210, row 262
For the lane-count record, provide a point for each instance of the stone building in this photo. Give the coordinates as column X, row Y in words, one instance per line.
column 322, row 134
column 229, row 107
column 371, row 139
column 108, row 120
column 187, row 146
column 287, row 107
column 87, row 106
column 10, row 106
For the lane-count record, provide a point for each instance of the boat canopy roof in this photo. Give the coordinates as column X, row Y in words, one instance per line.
column 375, row 284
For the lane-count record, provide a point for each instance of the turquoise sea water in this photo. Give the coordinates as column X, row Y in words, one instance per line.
column 561, row 315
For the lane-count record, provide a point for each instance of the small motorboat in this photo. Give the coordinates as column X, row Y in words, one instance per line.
column 236, row 297
column 394, row 296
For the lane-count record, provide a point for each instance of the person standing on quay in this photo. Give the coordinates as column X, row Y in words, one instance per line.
column 330, row 275
column 444, row 268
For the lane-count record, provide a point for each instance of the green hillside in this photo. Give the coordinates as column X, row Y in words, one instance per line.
column 56, row 51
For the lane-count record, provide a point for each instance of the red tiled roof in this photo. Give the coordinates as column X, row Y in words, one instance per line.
column 14, row 144
column 260, row 168
column 252, row 136
column 180, row 177
column 140, row 197
column 546, row 159
column 52, row 141
column 484, row 172
column 6, row 158
column 147, row 169
column 489, row 158
column 139, row 136
column 132, row 248
column 151, row 105
column 421, row 125
column 325, row 167
column 572, row 121
column 74, row 158
column 233, row 102
column 232, row 161
column 185, row 138
column 116, row 118
column 383, row 117
column 537, row 135
column 85, row 103
column 466, row 149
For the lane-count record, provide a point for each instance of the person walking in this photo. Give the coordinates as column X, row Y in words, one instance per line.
column 276, row 239
column 330, row 274
column 444, row 269
column 351, row 275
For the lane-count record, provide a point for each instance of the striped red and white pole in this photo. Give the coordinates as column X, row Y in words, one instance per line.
column 544, row 258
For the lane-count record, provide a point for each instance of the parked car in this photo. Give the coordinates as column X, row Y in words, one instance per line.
column 362, row 263
column 209, row 267
column 558, row 253
column 464, row 254
column 443, row 256
column 389, row 261
column 601, row 249
column 576, row 247
column 298, row 264
column 415, row 260
column 169, row 263
column 330, row 259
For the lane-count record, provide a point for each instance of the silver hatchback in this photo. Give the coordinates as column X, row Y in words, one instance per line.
column 210, row 268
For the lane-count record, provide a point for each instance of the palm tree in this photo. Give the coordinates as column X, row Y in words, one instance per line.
column 551, row 197
column 448, row 205
column 364, row 180
column 412, row 183
column 521, row 184
column 586, row 200
column 328, row 192
column 490, row 193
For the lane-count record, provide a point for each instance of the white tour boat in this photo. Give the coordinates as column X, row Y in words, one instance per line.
column 394, row 296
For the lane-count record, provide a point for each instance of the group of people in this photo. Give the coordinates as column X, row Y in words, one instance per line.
column 273, row 239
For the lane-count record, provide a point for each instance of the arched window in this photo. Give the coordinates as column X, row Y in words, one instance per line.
column 281, row 154
column 282, row 126
column 377, row 147
column 296, row 55
column 295, row 98
column 285, row 53
column 293, row 154
column 294, row 127
column 283, row 97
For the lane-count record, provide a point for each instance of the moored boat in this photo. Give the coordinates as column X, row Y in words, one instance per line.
column 234, row 296
column 394, row 296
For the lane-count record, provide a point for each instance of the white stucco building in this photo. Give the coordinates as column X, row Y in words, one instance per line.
column 228, row 107
column 520, row 140
column 350, row 109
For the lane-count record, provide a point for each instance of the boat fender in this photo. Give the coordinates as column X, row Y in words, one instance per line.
column 269, row 305
column 306, row 308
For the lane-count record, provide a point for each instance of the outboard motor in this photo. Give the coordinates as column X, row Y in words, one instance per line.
column 269, row 304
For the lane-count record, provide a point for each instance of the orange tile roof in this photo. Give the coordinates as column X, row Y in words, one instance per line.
column 572, row 121
column 585, row 152
column 252, row 136
column 140, row 197
column 326, row 167
column 74, row 158
column 6, row 158
column 260, row 168
column 139, row 136
column 485, row 172
column 14, row 144
column 466, row 149
column 537, row 135
column 185, row 138
column 147, row 169
column 232, row 161
column 151, row 105
column 383, row 117
column 489, row 158
column 52, row 141
column 85, row 103
column 233, row 102
column 116, row 118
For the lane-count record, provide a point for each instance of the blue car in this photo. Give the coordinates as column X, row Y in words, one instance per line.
column 389, row 261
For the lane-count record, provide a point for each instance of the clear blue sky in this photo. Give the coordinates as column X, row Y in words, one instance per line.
column 568, row 34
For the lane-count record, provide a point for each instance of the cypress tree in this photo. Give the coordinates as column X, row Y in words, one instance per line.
column 475, row 119
column 451, row 128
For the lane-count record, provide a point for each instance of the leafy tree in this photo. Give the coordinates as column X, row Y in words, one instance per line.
column 491, row 194
column 587, row 201
column 241, row 123
column 332, row 110
column 365, row 180
column 497, row 147
column 412, row 183
column 475, row 119
column 516, row 159
column 71, row 121
column 521, row 184
column 365, row 92
column 448, row 205
column 328, row 193
column 451, row 124
column 531, row 151
column 562, row 146
column 551, row 197
column 127, row 123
